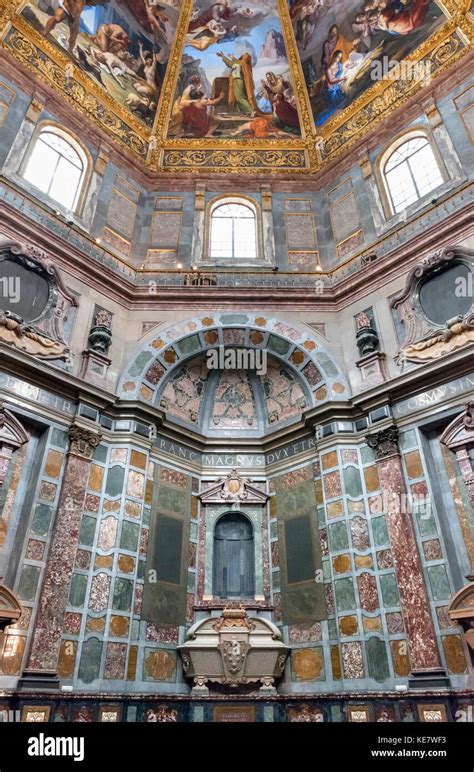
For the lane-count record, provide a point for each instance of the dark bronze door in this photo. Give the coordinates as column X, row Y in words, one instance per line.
column 234, row 557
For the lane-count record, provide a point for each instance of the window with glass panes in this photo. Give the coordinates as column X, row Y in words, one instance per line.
column 56, row 168
column 233, row 232
column 411, row 172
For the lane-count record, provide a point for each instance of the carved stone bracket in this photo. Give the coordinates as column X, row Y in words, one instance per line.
column 44, row 336
column 83, row 441
column 424, row 340
column 468, row 419
column 384, row 443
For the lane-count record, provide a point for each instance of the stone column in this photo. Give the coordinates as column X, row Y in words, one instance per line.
column 423, row 650
column 59, row 567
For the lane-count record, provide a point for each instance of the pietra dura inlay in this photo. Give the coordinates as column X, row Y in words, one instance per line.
column 54, row 595
column 409, row 572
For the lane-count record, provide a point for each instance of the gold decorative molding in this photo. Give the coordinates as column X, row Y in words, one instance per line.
column 441, row 51
column 77, row 89
column 317, row 146
column 165, row 104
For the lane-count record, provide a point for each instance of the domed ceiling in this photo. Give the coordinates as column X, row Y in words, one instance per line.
column 282, row 85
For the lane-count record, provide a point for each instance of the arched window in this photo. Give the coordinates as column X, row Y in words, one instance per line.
column 57, row 165
column 233, row 231
column 410, row 172
column 234, row 573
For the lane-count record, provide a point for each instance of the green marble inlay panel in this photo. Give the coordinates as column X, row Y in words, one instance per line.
column 439, row 582
column 28, row 582
column 41, row 520
column 388, row 584
column 129, row 536
column 321, row 517
column 380, row 531
column 191, row 580
column 87, row 531
column 114, row 482
column 338, row 539
column 146, row 516
column 366, row 454
column 332, row 629
column 141, row 569
column 274, row 530
column 425, row 520
column 327, row 570
column 60, row 439
column 234, row 319
column 277, row 344
column 123, row 591
column 268, row 711
column 276, row 580
column 407, row 439
column 140, row 362
column 336, row 714
column 352, row 481
column 193, row 531
column 135, row 630
column 100, row 453
column 345, row 595
column 77, row 590
column 171, row 499
column 189, row 345
column 377, row 659
column 89, row 667
column 327, row 364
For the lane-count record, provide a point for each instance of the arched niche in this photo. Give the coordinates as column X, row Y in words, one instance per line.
column 298, row 351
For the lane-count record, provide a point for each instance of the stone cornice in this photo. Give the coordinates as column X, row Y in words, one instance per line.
column 120, row 287
column 404, row 386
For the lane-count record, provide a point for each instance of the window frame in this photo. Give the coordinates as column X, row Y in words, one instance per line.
column 230, row 262
column 49, row 127
column 420, row 132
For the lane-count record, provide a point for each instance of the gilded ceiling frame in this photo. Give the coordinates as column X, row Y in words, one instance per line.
column 304, row 155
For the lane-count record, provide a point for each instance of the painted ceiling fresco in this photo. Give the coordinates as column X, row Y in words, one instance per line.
column 236, row 85
column 235, row 78
column 346, row 46
column 124, row 45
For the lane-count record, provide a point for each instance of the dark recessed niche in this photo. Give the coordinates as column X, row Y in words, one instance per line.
column 446, row 295
column 23, row 291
